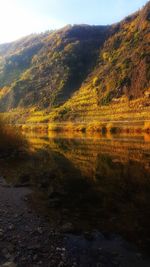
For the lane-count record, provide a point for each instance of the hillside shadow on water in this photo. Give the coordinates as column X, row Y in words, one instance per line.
column 11, row 140
column 83, row 185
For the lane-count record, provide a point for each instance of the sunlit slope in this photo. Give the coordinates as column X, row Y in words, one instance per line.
column 56, row 70
column 119, row 86
column 79, row 73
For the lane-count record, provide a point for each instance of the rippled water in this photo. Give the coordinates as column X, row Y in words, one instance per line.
column 100, row 183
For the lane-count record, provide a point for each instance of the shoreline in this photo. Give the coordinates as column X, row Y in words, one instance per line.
column 121, row 127
column 27, row 240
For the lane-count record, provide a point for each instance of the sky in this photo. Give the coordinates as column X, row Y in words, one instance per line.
column 19, row 18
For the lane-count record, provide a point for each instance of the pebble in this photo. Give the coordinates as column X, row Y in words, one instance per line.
column 9, row 264
column 11, row 227
column 66, row 228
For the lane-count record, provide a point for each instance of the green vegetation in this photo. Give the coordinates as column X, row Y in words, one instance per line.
column 53, row 65
column 78, row 74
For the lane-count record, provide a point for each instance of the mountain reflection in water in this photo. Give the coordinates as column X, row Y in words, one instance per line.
column 100, row 183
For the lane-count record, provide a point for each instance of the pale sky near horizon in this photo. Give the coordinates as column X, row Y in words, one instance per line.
column 22, row 17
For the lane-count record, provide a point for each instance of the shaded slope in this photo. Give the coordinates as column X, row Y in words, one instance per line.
column 58, row 69
column 16, row 57
column 85, row 73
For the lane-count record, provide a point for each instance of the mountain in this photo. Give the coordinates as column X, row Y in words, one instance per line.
column 79, row 72
column 45, row 70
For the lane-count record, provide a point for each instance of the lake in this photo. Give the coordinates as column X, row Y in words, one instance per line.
column 86, row 184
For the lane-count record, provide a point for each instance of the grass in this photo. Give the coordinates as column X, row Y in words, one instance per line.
column 130, row 127
column 85, row 115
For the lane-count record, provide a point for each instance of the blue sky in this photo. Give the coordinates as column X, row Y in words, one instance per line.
column 22, row 17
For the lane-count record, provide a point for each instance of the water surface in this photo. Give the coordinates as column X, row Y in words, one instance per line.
column 98, row 183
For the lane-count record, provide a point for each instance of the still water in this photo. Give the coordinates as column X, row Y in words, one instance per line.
column 98, row 183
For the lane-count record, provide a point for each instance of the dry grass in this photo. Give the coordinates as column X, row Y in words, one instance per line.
column 90, row 128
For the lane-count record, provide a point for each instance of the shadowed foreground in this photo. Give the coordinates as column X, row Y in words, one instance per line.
column 75, row 201
column 27, row 241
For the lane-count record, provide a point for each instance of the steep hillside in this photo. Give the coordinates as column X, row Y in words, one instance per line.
column 54, row 67
column 120, row 82
column 16, row 57
column 125, row 60
column 79, row 73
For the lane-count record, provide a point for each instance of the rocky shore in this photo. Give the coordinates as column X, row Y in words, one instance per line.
column 26, row 239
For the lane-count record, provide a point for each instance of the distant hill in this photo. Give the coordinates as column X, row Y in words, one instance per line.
column 79, row 72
